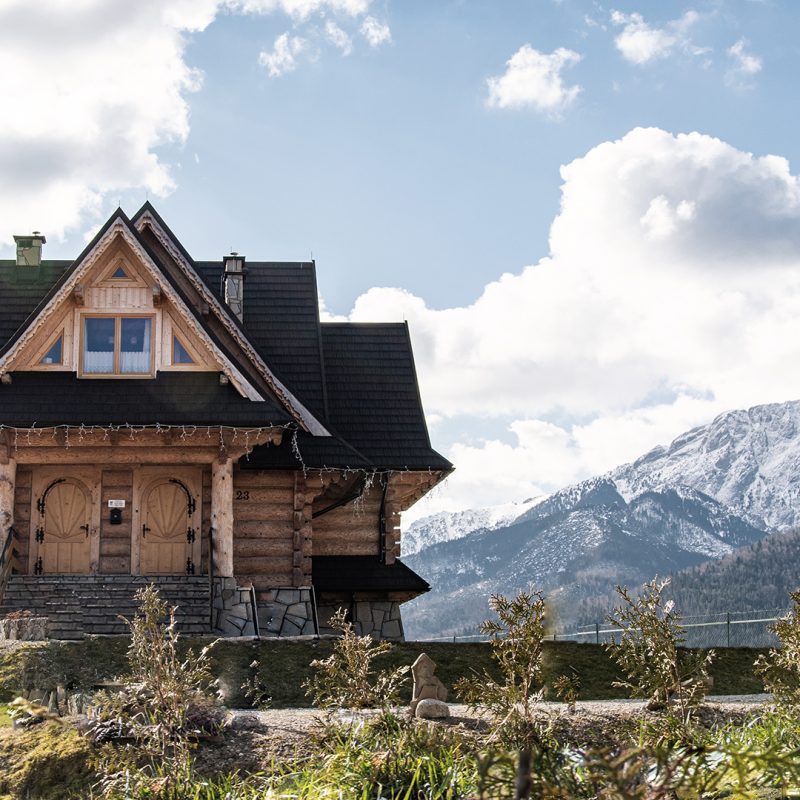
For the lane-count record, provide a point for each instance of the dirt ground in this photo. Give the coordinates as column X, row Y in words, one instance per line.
column 255, row 739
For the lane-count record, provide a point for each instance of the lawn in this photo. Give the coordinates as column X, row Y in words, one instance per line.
column 284, row 665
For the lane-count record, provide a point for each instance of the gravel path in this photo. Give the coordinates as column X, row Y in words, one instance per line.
column 281, row 733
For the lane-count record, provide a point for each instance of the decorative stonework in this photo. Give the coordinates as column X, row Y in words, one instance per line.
column 288, row 612
column 377, row 618
column 426, row 685
column 232, row 608
column 23, row 628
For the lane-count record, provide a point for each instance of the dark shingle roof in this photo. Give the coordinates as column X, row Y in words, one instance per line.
column 359, row 379
column 373, row 397
column 281, row 319
column 172, row 398
column 364, row 574
column 22, row 289
column 319, row 452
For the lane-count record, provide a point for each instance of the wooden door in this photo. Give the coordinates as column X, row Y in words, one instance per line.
column 63, row 532
column 168, row 532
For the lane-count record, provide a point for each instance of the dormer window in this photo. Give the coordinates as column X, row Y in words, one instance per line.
column 180, row 355
column 55, row 355
column 117, row 345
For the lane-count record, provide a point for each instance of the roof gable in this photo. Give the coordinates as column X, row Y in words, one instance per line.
column 118, row 233
column 148, row 222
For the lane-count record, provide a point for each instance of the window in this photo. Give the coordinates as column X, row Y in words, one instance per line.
column 117, row 346
column 180, row 355
column 120, row 274
column 54, row 354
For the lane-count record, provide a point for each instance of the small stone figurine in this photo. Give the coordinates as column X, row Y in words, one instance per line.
column 427, row 687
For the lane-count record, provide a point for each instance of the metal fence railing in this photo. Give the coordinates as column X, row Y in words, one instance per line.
column 727, row 629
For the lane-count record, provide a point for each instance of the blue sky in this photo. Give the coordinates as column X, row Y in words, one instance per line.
column 429, row 161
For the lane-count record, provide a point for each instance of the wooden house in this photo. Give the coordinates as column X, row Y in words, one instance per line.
column 194, row 424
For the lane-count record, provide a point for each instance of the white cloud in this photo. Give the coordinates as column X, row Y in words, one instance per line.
column 338, row 38
column 533, row 79
column 301, row 9
column 375, row 32
column 283, row 57
column 641, row 43
column 91, row 89
column 745, row 65
column 671, row 293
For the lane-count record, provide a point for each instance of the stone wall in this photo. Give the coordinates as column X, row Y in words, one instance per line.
column 23, row 628
column 379, row 618
column 288, row 612
column 233, row 610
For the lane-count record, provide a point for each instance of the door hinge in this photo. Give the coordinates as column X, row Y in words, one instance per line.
column 38, row 568
column 189, row 566
column 39, row 535
column 190, row 536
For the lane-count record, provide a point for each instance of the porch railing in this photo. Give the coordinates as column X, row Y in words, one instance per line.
column 8, row 557
column 211, row 578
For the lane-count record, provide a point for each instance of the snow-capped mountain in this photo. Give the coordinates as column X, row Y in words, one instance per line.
column 748, row 460
column 577, row 543
column 446, row 526
column 715, row 488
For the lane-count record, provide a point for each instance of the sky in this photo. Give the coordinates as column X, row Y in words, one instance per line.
column 588, row 212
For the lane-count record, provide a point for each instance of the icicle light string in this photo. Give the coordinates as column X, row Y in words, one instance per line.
column 188, row 431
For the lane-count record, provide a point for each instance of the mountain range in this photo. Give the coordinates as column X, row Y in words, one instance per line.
column 716, row 488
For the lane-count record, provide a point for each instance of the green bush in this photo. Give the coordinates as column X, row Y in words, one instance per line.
column 648, row 652
column 346, row 679
column 517, row 646
column 780, row 668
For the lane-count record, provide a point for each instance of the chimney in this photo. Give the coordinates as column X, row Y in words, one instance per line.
column 233, row 275
column 29, row 249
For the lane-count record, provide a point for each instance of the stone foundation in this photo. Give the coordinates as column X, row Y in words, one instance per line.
column 377, row 618
column 287, row 612
column 283, row 611
column 23, row 629
column 233, row 610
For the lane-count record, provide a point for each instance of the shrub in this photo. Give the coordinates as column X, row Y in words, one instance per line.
column 648, row 652
column 567, row 689
column 516, row 640
column 346, row 680
column 163, row 704
column 780, row 669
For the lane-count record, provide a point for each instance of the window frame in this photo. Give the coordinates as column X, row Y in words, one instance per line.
column 53, row 342
column 117, row 317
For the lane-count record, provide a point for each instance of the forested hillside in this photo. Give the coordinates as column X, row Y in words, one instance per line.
column 754, row 578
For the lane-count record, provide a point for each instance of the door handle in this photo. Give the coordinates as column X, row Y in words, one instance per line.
column 144, row 530
column 85, row 528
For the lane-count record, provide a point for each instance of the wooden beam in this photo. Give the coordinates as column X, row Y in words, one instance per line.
column 222, row 516
column 8, row 476
column 118, row 456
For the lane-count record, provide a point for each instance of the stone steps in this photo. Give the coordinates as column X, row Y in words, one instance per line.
column 76, row 605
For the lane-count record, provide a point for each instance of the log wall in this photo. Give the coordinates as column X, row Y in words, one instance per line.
column 115, row 540
column 22, row 515
column 263, row 528
column 350, row 530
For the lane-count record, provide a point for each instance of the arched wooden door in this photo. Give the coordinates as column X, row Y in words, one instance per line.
column 169, row 531
column 63, row 530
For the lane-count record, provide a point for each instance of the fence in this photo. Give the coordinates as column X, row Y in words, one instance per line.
column 727, row 629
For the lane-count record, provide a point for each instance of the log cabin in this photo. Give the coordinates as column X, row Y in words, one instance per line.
column 193, row 424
